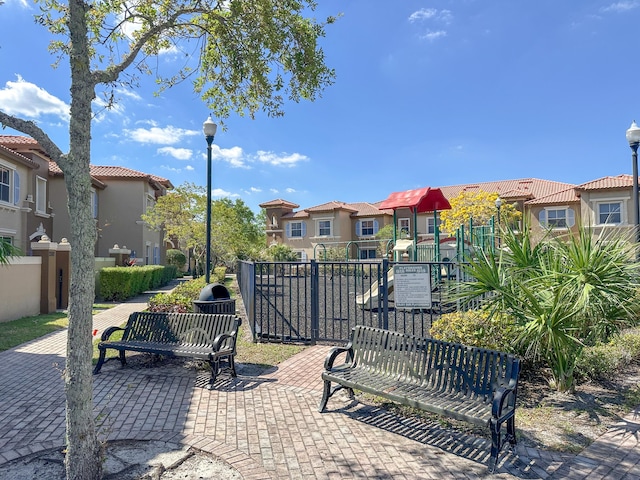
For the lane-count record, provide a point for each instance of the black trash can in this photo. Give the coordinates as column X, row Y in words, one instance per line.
column 214, row 298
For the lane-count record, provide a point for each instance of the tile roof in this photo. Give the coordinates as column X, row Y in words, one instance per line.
column 604, row 183
column 365, row 209
column 103, row 172
column 278, row 202
column 18, row 140
column 18, row 157
column 570, row 195
column 524, row 188
column 330, row 207
column 300, row 214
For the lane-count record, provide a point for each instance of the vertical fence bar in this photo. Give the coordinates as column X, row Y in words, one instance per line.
column 315, row 302
column 384, row 293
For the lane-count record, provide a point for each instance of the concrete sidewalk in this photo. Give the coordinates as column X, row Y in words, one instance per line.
column 267, row 426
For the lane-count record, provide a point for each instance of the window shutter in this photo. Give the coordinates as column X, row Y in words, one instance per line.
column 288, row 230
column 358, row 228
column 571, row 220
column 303, row 229
column 376, row 226
column 543, row 218
column 16, row 187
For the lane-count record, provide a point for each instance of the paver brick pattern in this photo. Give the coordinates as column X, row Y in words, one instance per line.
column 267, row 426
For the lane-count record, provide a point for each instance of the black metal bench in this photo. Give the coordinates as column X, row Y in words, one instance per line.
column 465, row 383
column 209, row 337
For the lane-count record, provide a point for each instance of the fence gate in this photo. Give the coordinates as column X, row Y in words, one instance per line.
column 312, row 302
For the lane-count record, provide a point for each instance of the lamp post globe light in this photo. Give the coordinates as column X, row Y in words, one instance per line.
column 209, row 128
column 633, row 137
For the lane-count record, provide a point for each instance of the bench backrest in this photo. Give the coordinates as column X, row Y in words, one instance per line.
column 443, row 366
column 199, row 329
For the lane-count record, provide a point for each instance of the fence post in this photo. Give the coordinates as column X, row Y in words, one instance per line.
column 315, row 302
column 384, row 294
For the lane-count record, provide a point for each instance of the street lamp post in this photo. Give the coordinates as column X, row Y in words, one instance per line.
column 633, row 137
column 209, row 128
column 498, row 205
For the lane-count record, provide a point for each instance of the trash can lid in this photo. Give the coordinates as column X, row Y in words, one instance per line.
column 214, row 291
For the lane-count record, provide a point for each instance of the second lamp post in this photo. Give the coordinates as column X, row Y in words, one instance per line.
column 209, row 128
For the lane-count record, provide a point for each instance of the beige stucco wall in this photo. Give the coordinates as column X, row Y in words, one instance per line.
column 20, row 292
column 12, row 217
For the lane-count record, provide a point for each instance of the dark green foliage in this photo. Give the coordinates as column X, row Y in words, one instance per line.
column 121, row 283
column 176, row 258
column 606, row 360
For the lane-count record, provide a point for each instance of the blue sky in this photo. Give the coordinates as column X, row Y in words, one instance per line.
column 427, row 94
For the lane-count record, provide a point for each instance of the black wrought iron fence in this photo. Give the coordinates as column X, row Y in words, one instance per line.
column 314, row 301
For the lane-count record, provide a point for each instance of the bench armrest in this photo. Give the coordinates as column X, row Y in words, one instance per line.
column 220, row 339
column 108, row 332
column 333, row 354
column 500, row 396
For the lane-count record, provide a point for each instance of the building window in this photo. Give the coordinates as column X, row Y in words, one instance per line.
column 41, row 195
column 296, row 229
column 5, row 184
column 324, row 228
column 302, row 255
column 156, row 255
column 366, row 253
column 609, row 213
column 557, row 218
column 147, row 254
column 430, row 225
column 404, row 227
column 8, row 240
column 150, row 202
column 94, row 203
column 367, row 228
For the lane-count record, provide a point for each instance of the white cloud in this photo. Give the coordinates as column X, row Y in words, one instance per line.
column 189, row 168
column 288, row 160
column 234, row 156
column 423, row 14
column 274, row 190
column 22, row 3
column 171, row 169
column 255, row 190
column 218, row 192
column 623, row 6
column 29, row 100
column 431, row 36
column 163, row 136
column 290, row 190
column 444, row 16
column 179, row 153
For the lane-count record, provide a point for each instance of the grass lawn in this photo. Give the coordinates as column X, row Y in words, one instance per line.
column 24, row 329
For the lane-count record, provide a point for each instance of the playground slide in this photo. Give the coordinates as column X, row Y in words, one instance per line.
column 369, row 299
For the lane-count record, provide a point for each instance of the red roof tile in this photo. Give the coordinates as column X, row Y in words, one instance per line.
column 604, row 183
column 18, row 157
column 570, row 195
column 330, row 207
column 510, row 189
column 279, row 203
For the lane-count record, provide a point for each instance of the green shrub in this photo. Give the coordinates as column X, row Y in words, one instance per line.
column 219, row 273
column 605, row 360
column 176, row 258
column 121, row 283
column 475, row 328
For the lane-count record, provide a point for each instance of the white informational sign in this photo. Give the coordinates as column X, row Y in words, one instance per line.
column 412, row 286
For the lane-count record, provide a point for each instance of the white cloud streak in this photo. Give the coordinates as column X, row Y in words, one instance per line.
column 623, row 6
column 160, row 136
column 179, row 153
column 284, row 159
column 29, row 100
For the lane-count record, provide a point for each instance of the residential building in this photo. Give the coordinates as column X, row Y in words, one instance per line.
column 25, row 208
column 550, row 206
column 33, row 202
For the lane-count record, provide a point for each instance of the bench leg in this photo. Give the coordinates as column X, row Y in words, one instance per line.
column 103, row 352
column 123, row 359
column 495, row 445
column 326, row 393
column 232, row 365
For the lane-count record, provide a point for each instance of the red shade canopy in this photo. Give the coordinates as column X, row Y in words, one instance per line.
column 425, row 199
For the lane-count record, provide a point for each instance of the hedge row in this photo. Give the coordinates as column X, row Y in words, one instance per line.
column 180, row 300
column 121, row 283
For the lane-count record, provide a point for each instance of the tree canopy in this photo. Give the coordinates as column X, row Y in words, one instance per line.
column 479, row 206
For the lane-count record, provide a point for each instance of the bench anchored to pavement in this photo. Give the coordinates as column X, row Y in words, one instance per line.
column 208, row 337
column 472, row 384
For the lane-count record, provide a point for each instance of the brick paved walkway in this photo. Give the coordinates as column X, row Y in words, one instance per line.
column 267, row 426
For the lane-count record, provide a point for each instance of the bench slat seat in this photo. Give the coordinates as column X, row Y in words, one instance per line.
column 471, row 384
column 209, row 337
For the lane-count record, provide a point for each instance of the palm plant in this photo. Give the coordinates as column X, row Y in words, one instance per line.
column 7, row 250
column 562, row 293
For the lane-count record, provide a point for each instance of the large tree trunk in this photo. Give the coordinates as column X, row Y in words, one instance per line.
column 83, row 460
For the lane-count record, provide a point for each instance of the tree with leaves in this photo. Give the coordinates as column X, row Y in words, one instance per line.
column 479, row 206
column 251, row 55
